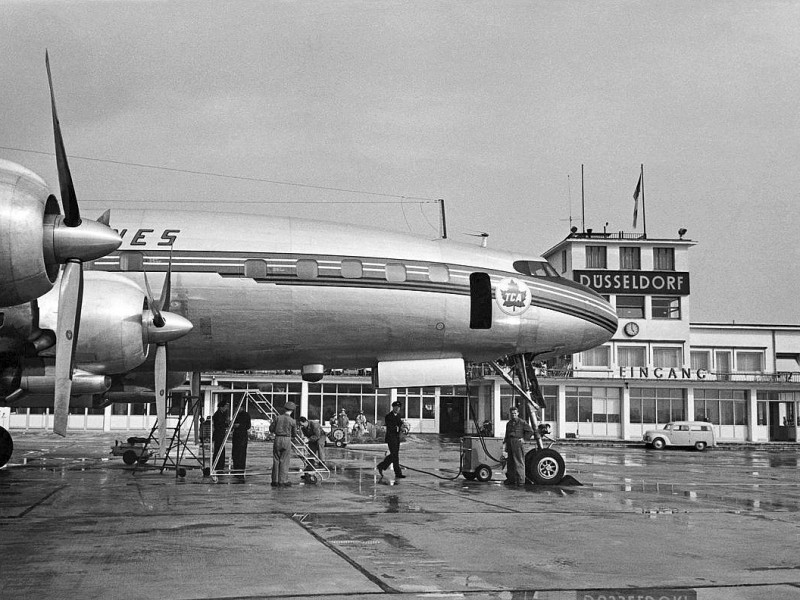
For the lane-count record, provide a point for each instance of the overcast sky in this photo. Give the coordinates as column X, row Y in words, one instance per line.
column 367, row 111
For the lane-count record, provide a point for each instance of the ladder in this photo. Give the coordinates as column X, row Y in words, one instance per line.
column 314, row 469
column 192, row 410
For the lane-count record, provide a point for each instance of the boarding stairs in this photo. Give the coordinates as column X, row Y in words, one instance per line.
column 314, row 469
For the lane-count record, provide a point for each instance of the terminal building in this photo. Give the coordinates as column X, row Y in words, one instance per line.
column 659, row 367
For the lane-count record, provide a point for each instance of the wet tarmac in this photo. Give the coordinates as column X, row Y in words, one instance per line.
column 78, row 523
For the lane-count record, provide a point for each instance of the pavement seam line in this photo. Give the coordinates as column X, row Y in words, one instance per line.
column 373, row 578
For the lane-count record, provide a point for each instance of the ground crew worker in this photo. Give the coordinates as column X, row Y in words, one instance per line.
column 241, row 428
column 285, row 430
column 394, row 424
column 342, row 420
column 517, row 430
column 360, row 427
column 316, row 438
column 219, row 428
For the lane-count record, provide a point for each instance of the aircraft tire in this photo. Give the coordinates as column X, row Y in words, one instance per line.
column 468, row 475
column 544, row 467
column 129, row 457
column 6, row 446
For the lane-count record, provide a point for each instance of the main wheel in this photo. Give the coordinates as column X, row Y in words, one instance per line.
column 129, row 457
column 659, row 443
column 483, row 473
column 6, row 446
column 468, row 475
column 700, row 446
column 544, row 467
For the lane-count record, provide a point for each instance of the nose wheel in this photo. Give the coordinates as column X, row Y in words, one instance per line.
column 544, row 467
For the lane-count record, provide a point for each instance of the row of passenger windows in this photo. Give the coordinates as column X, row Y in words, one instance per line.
column 348, row 268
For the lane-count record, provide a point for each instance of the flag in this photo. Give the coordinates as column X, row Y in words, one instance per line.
column 636, row 200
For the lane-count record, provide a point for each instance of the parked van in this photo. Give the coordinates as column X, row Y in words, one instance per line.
column 682, row 433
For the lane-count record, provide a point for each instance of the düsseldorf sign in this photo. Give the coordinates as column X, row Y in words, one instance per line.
column 635, row 282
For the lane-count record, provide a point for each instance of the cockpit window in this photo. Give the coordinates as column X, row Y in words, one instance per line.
column 535, row 268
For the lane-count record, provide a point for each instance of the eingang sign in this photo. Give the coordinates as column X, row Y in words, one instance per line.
column 674, row 283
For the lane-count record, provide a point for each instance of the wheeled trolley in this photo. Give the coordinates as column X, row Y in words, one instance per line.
column 480, row 455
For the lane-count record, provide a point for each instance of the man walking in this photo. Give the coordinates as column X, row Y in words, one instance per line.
column 394, row 424
column 517, row 431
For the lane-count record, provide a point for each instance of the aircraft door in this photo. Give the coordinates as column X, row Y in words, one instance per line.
column 480, row 291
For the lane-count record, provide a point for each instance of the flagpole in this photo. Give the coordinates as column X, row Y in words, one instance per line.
column 644, row 210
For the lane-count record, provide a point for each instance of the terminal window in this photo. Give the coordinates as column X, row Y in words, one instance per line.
column 632, row 356
column 596, row 357
column 668, row 357
column 666, row 307
column 701, row 359
column 630, row 258
column 750, row 362
column 664, row 259
column 657, row 406
column 630, row 307
column 596, row 257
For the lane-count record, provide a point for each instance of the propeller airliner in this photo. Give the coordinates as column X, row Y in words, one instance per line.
column 78, row 312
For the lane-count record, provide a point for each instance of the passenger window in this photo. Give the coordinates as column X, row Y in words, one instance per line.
column 395, row 272
column 683, row 428
column 255, row 269
column 352, row 269
column 131, row 261
column 307, row 269
column 439, row 273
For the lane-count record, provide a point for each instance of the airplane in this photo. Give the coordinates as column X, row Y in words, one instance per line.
column 265, row 292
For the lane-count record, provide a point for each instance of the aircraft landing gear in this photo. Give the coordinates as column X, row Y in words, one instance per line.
column 543, row 465
column 6, row 446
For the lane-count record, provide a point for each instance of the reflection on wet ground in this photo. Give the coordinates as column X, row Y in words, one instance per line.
column 433, row 532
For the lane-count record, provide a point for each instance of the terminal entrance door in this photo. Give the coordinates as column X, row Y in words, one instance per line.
column 452, row 414
column 782, row 422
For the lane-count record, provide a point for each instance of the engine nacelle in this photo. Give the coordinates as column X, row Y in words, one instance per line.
column 111, row 337
column 24, row 201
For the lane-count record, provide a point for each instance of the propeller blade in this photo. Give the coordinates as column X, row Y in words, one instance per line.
column 158, row 320
column 165, row 291
column 69, row 317
column 105, row 218
column 161, row 395
column 72, row 215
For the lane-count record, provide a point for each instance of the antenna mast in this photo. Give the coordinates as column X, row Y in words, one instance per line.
column 583, row 205
column 444, row 220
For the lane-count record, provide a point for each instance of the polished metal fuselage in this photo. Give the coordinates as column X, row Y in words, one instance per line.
column 270, row 293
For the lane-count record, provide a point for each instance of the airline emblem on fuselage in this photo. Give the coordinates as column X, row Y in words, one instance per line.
column 513, row 296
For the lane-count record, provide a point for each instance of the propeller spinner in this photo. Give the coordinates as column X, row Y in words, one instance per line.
column 74, row 242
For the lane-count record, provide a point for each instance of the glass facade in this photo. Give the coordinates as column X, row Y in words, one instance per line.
column 657, row 406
